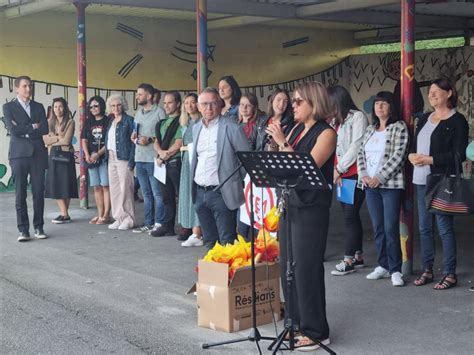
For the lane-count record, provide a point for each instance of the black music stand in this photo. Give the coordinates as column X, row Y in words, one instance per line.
column 254, row 335
column 285, row 170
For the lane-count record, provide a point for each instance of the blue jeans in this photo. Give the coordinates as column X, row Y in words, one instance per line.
column 446, row 232
column 384, row 209
column 152, row 195
column 218, row 223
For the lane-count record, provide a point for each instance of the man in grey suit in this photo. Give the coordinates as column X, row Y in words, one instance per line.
column 26, row 121
column 216, row 141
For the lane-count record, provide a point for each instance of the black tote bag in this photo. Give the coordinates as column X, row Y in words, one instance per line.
column 450, row 194
column 60, row 156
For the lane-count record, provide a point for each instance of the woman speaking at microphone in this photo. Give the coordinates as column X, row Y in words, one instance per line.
column 308, row 212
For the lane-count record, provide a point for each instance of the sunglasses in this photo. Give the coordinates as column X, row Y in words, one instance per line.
column 93, row 106
column 297, row 101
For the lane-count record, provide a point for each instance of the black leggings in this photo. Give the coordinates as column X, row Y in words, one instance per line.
column 353, row 224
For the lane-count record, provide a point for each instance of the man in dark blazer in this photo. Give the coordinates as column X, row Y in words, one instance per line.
column 26, row 121
column 216, row 141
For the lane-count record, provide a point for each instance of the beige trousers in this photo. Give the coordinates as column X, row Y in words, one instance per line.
column 121, row 190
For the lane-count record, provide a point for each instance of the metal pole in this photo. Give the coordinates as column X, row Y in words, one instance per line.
column 201, row 42
column 407, row 98
column 81, row 96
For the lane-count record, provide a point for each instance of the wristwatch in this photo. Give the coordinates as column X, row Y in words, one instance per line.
column 284, row 145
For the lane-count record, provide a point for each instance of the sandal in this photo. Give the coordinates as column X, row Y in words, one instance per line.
column 448, row 281
column 425, row 278
column 94, row 220
column 103, row 220
column 305, row 344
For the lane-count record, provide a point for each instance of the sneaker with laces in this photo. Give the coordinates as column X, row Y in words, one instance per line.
column 343, row 268
column 397, row 279
column 378, row 273
column 114, row 225
column 155, row 228
column 193, row 241
column 61, row 220
column 143, row 229
column 358, row 263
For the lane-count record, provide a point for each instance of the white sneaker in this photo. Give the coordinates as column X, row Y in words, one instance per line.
column 124, row 227
column 155, row 227
column 114, row 225
column 193, row 241
column 378, row 273
column 397, row 279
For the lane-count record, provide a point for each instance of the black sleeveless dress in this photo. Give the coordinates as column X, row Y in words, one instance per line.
column 309, row 222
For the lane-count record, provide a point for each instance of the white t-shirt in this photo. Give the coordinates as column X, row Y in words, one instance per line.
column 374, row 151
column 423, row 147
column 111, row 144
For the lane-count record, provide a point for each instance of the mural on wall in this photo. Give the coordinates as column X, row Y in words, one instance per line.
column 363, row 75
column 133, row 62
column 186, row 52
column 373, row 73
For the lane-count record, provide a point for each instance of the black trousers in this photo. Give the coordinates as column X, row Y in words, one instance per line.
column 309, row 230
column 21, row 169
column 353, row 225
column 170, row 192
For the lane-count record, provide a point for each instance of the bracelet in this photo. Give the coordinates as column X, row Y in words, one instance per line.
column 283, row 145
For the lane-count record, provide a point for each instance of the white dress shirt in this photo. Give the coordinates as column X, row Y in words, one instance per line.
column 206, row 149
column 25, row 105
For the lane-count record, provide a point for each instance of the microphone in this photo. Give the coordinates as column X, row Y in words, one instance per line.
column 285, row 121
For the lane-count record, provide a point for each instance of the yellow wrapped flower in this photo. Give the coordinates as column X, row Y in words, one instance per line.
column 270, row 222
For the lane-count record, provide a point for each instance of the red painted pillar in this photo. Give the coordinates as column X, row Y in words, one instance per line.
column 81, row 95
column 407, row 98
column 201, row 44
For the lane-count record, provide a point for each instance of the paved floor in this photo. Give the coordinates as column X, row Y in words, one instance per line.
column 89, row 290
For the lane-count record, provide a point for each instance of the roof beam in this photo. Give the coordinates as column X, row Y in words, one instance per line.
column 388, row 35
column 234, row 21
column 340, row 5
column 228, row 7
column 393, row 19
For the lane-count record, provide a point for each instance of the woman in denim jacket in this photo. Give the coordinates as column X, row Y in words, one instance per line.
column 381, row 163
column 120, row 152
column 350, row 125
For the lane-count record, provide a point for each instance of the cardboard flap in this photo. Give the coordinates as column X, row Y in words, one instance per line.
column 211, row 273
column 242, row 275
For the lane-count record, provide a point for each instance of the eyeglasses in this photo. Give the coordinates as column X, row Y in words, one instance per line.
column 211, row 104
column 93, row 106
column 297, row 101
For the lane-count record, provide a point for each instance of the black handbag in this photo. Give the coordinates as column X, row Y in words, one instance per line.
column 450, row 194
column 60, row 156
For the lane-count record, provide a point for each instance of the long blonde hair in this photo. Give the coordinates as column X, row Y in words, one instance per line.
column 184, row 118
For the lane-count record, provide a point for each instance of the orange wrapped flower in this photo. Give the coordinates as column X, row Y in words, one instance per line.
column 270, row 222
column 267, row 247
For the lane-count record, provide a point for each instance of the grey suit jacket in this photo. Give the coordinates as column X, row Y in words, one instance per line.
column 24, row 140
column 230, row 139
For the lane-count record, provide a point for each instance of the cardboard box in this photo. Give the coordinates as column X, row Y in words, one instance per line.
column 228, row 306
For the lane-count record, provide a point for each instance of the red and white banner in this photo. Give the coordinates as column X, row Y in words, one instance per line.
column 264, row 198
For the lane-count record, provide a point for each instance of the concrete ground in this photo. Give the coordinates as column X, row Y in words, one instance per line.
column 89, row 290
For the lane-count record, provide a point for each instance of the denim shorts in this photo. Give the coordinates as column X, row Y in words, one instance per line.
column 99, row 176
